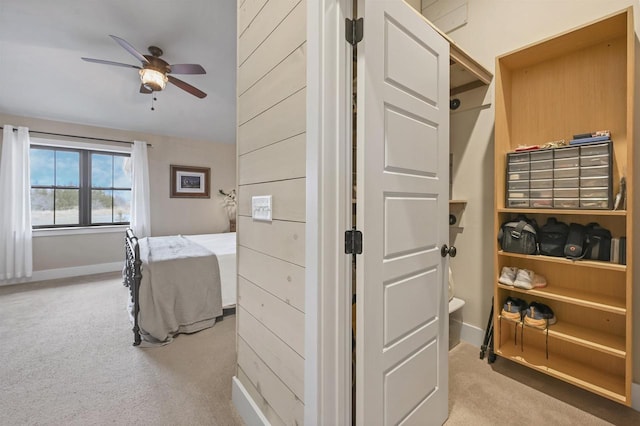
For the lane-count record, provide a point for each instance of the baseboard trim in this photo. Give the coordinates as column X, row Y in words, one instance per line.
column 75, row 271
column 472, row 334
column 635, row 396
column 245, row 406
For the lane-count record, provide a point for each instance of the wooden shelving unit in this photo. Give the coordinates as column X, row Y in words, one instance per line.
column 579, row 81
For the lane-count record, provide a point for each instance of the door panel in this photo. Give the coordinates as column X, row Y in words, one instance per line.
column 402, row 210
column 403, row 126
column 408, row 296
column 411, row 383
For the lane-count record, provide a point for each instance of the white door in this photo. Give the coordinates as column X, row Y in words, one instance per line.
column 402, row 211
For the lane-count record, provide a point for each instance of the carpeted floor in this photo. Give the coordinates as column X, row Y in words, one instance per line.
column 66, row 359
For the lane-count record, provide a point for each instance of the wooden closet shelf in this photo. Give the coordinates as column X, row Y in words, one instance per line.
column 561, row 212
column 581, row 263
column 568, row 370
column 606, row 343
column 580, row 298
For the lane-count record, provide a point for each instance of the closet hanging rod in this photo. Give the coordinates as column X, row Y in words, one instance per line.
column 79, row 137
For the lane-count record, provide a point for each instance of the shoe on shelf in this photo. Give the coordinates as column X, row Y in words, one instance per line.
column 539, row 315
column 513, row 308
column 507, row 275
column 528, row 279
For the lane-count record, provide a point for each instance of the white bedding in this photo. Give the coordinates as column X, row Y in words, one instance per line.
column 224, row 247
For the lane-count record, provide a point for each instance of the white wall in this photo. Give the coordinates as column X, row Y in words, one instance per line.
column 168, row 215
column 494, row 28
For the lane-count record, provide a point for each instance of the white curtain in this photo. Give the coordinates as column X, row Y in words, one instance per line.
column 140, row 207
column 16, row 257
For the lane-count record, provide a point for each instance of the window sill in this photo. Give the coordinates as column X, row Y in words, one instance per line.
column 48, row 232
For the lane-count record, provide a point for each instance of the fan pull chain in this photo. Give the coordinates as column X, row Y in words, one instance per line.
column 153, row 98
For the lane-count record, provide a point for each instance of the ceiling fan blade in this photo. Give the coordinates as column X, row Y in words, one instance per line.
column 145, row 89
column 187, row 87
column 117, row 64
column 187, row 69
column 129, row 48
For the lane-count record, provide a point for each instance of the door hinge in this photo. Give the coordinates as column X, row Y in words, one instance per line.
column 353, row 241
column 354, row 30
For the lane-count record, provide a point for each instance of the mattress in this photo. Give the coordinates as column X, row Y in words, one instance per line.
column 224, row 247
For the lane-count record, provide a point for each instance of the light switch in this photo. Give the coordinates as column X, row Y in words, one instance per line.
column 261, row 207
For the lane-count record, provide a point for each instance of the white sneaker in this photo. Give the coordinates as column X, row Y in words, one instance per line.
column 507, row 275
column 528, row 279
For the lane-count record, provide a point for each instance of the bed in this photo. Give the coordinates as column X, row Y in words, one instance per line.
column 178, row 284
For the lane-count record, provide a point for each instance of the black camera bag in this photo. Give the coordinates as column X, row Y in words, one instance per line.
column 553, row 237
column 588, row 242
column 598, row 242
column 519, row 235
column 576, row 241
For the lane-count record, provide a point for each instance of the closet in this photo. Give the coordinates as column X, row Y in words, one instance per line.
column 579, row 81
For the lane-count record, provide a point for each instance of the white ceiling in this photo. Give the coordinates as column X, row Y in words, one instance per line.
column 42, row 75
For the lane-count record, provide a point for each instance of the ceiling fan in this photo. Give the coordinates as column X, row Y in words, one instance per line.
column 155, row 72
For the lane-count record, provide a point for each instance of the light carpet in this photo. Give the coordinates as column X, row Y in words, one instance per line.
column 67, row 359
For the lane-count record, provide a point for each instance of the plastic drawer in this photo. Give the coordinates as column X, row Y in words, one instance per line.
column 566, row 183
column 541, row 155
column 541, row 165
column 566, row 203
column 594, row 203
column 566, row 152
column 518, row 184
column 517, row 194
column 594, row 160
column 562, row 163
column 541, row 183
column 541, row 202
column 517, row 157
column 599, row 149
column 597, row 171
column 594, row 181
column 594, row 192
column 518, row 203
column 518, row 176
column 566, row 173
column 541, row 193
column 519, row 167
column 566, row 192
column 541, row 174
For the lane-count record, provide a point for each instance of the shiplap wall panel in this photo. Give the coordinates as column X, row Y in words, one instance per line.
column 281, row 359
column 262, row 403
column 288, row 198
column 281, row 121
column 287, row 78
column 270, row 17
column 284, row 402
column 247, row 12
column 287, row 37
column 280, row 161
column 281, row 239
column 271, row 87
column 283, row 320
column 282, row 279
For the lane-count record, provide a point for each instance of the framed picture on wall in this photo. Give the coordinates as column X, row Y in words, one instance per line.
column 190, row 182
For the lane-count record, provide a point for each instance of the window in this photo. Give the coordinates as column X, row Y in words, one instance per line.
column 79, row 187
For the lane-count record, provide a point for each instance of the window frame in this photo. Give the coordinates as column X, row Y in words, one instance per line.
column 85, row 186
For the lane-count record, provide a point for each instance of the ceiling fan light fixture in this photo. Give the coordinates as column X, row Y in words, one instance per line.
column 153, row 79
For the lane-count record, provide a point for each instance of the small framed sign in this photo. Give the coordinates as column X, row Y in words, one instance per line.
column 190, row 182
